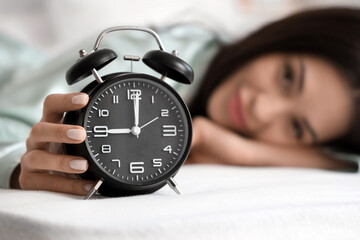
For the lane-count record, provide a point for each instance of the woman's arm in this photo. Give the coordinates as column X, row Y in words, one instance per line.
column 44, row 160
column 215, row 144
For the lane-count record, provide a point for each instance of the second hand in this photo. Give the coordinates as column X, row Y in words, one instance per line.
column 148, row 122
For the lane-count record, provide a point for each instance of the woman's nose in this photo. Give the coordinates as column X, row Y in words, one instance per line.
column 269, row 106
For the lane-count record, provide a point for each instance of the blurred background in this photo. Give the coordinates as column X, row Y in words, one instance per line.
column 54, row 26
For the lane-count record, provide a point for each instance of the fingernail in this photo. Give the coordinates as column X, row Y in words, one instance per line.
column 78, row 164
column 76, row 134
column 80, row 99
column 87, row 187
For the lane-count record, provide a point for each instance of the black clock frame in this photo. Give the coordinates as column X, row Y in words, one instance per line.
column 113, row 186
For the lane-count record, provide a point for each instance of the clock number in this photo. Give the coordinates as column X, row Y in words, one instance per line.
column 168, row 149
column 169, row 130
column 115, row 99
column 157, row 162
column 101, row 130
column 136, row 167
column 106, row 148
column 103, row 113
column 116, row 160
column 133, row 93
column 164, row 112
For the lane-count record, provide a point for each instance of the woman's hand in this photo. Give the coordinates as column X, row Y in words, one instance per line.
column 215, row 144
column 44, row 161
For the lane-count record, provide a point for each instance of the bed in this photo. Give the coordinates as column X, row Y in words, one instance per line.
column 218, row 202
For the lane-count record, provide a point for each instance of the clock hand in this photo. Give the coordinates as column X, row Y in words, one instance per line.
column 148, row 122
column 136, row 129
column 119, row 130
column 136, row 109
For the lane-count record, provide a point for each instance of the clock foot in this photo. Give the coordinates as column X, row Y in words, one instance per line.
column 94, row 189
column 173, row 185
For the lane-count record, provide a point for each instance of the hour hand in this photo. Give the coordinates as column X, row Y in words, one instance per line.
column 119, row 130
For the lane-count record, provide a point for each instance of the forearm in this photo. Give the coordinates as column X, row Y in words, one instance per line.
column 215, row 144
column 10, row 155
column 14, row 178
column 266, row 154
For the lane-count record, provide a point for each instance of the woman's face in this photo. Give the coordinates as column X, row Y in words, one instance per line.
column 284, row 98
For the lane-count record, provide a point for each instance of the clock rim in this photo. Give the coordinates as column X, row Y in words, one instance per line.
column 109, row 179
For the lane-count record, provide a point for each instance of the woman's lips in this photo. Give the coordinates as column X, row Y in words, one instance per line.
column 236, row 111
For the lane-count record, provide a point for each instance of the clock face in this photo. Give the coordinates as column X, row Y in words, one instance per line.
column 138, row 130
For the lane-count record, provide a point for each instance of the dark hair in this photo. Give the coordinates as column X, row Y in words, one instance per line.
column 330, row 33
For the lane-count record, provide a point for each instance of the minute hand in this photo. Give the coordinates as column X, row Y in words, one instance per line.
column 136, row 109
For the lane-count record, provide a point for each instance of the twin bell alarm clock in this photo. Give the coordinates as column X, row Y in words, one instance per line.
column 138, row 128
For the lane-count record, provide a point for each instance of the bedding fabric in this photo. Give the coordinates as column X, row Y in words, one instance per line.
column 218, row 202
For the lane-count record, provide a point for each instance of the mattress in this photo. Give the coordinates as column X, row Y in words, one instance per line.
column 218, row 202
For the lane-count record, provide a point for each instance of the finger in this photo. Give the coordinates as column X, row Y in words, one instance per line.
column 55, row 183
column 56, row 104
column 41, row 160
column 43, row 132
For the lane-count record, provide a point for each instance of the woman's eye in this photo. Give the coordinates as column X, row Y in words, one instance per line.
column 297, row 129
column 288, row 75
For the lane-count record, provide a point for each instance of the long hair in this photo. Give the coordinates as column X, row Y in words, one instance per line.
column 330, row 33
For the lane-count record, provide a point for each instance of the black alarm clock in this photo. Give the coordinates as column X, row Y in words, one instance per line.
column 138, row 128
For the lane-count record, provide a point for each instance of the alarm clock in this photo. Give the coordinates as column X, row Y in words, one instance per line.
column 139, row 129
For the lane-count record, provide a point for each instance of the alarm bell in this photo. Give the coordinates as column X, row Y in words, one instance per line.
column 167, row 64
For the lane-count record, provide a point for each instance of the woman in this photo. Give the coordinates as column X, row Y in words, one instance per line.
column 271, row 99
column 293, row 83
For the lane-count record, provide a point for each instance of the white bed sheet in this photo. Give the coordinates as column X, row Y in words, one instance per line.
column 218, row 202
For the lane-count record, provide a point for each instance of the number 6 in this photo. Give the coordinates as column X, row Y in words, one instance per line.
column 136, row 167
